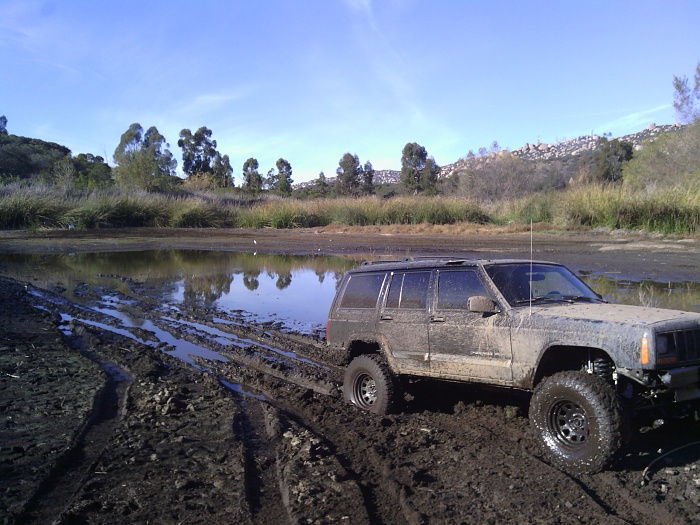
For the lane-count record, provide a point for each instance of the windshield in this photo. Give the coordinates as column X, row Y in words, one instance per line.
column 525, row 283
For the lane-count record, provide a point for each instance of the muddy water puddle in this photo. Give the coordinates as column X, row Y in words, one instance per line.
column 210, row 305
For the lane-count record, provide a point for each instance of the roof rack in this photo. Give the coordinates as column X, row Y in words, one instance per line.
column 381, row 261
column 445, row 259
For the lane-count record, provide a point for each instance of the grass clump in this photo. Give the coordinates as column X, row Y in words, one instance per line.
column 531, row 209
column 198, row 213
column 669, row 210
column 666, row 211
column 32, row 208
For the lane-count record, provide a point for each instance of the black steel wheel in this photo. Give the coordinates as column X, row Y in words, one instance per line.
column 370, row 385
column 578, row 418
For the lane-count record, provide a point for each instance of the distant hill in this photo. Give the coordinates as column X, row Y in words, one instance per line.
column 562, row 150
column 22, row 157
column 572, row 148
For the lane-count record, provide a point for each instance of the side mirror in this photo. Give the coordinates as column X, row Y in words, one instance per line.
column 481, row 304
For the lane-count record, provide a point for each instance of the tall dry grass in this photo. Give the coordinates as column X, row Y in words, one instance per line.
column 667, row 211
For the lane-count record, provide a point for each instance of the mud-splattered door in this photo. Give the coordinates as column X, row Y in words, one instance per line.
column 403, row 320
column 466, row 344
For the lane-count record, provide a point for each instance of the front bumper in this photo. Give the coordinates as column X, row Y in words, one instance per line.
column 685, row 382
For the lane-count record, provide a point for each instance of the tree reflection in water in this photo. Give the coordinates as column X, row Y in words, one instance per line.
column 202, row 291
column 250, row 280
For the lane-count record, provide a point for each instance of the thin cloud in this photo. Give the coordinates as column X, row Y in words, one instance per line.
column 387, row 63
column 634, row 120
column 208, row 102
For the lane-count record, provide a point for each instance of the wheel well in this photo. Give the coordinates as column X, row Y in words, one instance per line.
column 560, row 358
column 362, row 347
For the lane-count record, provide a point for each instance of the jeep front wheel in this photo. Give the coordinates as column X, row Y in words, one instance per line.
column 578, row 418
column 369, row 384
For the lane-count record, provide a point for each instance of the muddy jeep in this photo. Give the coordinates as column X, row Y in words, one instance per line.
column 524, row 325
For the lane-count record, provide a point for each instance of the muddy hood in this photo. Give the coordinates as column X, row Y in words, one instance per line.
column 620, row 314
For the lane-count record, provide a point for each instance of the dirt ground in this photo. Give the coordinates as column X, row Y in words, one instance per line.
column 102, row 428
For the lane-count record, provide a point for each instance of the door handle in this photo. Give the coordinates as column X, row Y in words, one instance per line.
column 437, row 319
column 386, row 318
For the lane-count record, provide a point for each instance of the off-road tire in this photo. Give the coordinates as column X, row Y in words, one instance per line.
column 370, row 385
column 577, row 417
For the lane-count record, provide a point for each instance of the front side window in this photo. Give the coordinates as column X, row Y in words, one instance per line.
column 456, row 287
column 362, row 291
column 523, row 283
column 408, row 290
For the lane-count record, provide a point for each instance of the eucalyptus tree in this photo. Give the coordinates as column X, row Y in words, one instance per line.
column 419, row 172
column 222, row 171
column 283, row 182
column 347, row 180
column 367, row 185
column 252, row 180
column 320, row 187
column 143, row 159
column 198, row 151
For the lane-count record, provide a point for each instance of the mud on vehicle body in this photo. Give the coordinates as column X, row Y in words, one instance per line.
column 525, row 325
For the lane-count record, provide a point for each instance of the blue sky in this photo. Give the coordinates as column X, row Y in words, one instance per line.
column 309, row 80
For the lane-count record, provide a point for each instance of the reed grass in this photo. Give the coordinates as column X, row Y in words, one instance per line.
column 531, row 209
column 668, row 211
column 24, row 208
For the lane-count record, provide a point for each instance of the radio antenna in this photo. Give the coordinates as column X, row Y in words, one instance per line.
column 531, row 255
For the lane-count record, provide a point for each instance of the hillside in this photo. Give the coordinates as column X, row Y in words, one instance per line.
column 563, row 150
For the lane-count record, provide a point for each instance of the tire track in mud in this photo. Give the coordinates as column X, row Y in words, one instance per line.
column 448, row 457
column 261, row 488
column 78, row 462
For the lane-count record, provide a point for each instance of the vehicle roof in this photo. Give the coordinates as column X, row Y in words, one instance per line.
column 413, row 263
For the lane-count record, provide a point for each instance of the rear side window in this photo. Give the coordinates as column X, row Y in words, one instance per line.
column 455, row 288
column 362, row 291
column 408, row 290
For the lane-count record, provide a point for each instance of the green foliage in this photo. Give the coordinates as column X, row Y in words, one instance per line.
column 157, row 147
column 252, row 180
column 347, row 180
column 367, row 184
column 3, row 125
column 321, row 187
column 143, row 160
column 22, row 158
column 686, row 100
column 609, row 159
column 222, row 172
column 318, row 189
column 418, row 172
column 91, row 172
column 198, row 150
column 671, row 161
column 283, row 182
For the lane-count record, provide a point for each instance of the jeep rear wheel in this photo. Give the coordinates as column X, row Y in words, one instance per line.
column 578, row 418
column 369, row 384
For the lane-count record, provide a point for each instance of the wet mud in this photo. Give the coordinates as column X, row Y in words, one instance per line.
column 106, row 425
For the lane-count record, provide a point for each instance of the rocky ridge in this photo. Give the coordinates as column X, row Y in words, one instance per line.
column 538, row 151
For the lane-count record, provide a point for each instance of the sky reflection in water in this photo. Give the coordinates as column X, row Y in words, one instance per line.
column 294, row 290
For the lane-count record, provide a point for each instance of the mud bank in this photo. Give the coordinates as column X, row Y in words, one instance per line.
column 102, row 428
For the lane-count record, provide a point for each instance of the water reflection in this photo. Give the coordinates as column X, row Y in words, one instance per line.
column 293, row 290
